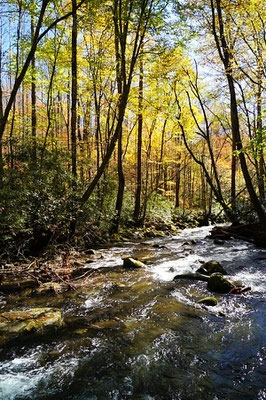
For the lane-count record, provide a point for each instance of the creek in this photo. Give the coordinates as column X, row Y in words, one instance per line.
column 148, row 338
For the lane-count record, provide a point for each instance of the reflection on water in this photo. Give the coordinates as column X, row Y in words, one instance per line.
column 138, row 335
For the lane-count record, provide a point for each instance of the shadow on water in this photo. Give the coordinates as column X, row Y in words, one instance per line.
column 137, row 335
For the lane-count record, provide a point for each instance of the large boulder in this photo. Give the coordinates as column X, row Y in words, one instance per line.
column 219, row 284
column 132, row 263
column 16, row 324
column 210, row 267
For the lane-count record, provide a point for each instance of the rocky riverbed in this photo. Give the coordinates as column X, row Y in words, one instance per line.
column 119, row 331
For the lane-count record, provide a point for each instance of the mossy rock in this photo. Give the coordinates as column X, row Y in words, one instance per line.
column 76, row 322
column 18, row 284
column 80, row 332
column 209, row 301
column 51, row 288
column 210, row 267
column 132, row 263
column 16, row 324
column 219, row 284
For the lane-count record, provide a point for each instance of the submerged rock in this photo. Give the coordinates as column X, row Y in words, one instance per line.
column 132, row 263
column 81, row 332
column 76, row 322
column 218, row 241
column 192, row 276
column 209, row 301
column 210, row 267
column 112, row 325
column 219, row 284
column 16, row 324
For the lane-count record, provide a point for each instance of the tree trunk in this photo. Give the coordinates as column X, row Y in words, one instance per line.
column 74, row 111
column 136, row 215
column 233, row 177
column 177, row 185
column 261, row 172
column 121, row 184
column 236, row 134
column 1, row 91
column 33, row 97
column 74, row 93
column 226, row 57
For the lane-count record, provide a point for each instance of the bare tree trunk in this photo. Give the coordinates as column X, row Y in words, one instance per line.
column 74, row 92
column 148, row 154
column 261, row 169
column 68, row 114
column 1, row 90
column 177, row 185
column 33, row 96
column 226, row 57
column 16, row 75
column 121, row 184
column 136, row 214
column 233, row 176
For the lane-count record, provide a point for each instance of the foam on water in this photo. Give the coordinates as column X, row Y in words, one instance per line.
column 93, row 301
column 194, row 233
column 167, row 270
column 20, row 377
column 255, row 279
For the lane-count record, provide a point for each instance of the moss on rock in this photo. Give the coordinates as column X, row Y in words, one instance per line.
column 209, row 301
column 132, row 263
column 15, row 324
column 219, row 284
column 210, row 267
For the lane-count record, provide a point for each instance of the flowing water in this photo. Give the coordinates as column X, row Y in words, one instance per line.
column 147, row 338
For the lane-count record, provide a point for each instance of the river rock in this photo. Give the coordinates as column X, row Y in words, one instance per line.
column 209, row 301
column 218, row 241
column 16, row 324
column 219, row 284
column 210, row 267
column 91, row 252
column 76, row 322
column 17, row 284
column 132, row 263
column 110, row 325
column 50, row 288
column 190, row 275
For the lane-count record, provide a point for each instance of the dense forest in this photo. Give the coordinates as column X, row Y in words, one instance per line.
column 123, row 114
column 132, row 200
